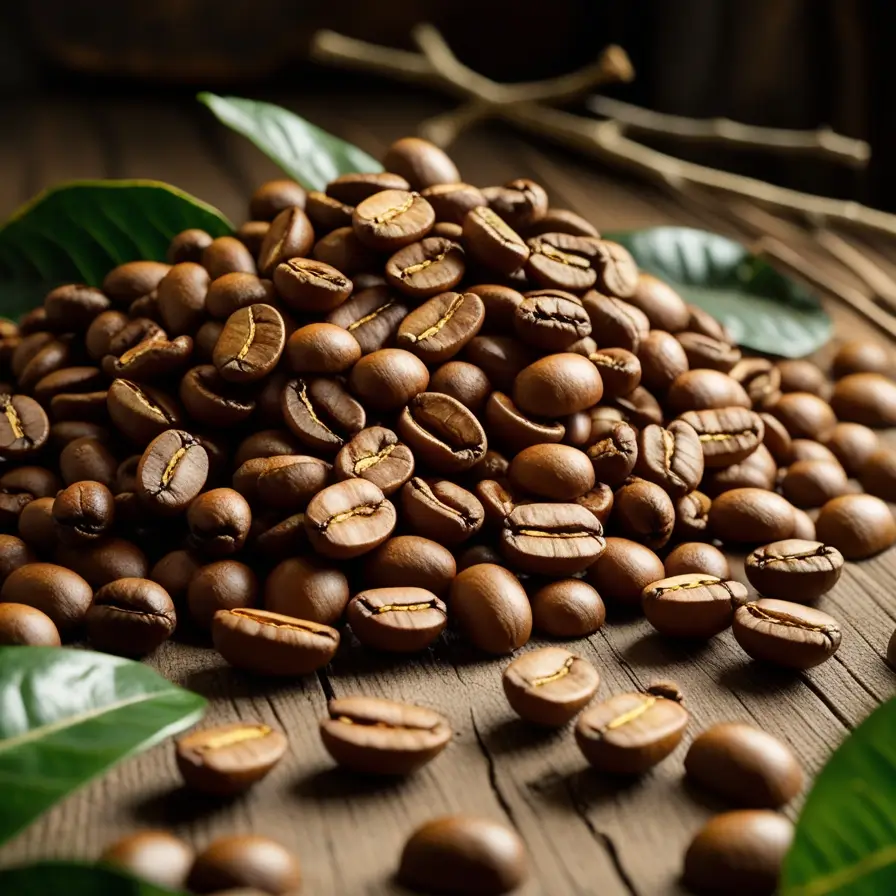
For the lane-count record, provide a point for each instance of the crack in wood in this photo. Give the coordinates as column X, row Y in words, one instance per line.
column 326, row 685
column 492, row 771
column 829, row 704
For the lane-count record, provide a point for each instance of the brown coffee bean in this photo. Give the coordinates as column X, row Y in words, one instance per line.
column 697, row 390
column 663, row 306
column 662, row 360
column 154, row 856
column 52, row 356
column 101, row 331
column 859, row 526
column 174, row 572
column 671, row 457
column 105, row 561
column 509, row 426
column 493, row 242
column 289, row 236
column 25, row 626
column 83, row 512
column 74, row 306
column 794, row 569
column 567, row 608
column 130, row 617
column 461, row 854
column 630, row 733
column 87, row 459
column 623, row 570
column 342, row 250
column 500, row 357
column 757, row 471
column 397, row 620
column 598, row 501
column 427, row 268
column 853, row 444
column 251, row 234
column 321, row 413
column 499, row 498
column 878, row 474
column 692, row 515
column 14, row 552
column 805, row 416
column 141, row 412
column 441, row 327
column 219, row 522
column 811, row 483
column 24, row 426
column 727, row 435
column 56, row 591
column 390, row 219
column 614, row 454
column 785, row 633
column 463, row 381
column 277, row 539
column 441, row 510
column 326, row 213
column 867, row 398
column 309, row 285
column 307, row 588
column 563, row 261
column 556, row 472
column 479, row 553
column 148, row 361
column 751, row 515
column 692, row 605
column 442, row 433
column 373, row 736
column 349, row 519
column 760, row 378
column 697, row 557
column 39, row 481
column 271, row 644
column 738, row 853
column 801, row 375
column 519, row 202
column 222, row 585
column 616, row 322
column 409, row 561
column 561, row 220
column 181, row 297
column 500, row 303
column 322, row 348
column 557, row 385
column 551, row 539
column 250, row 345
column 491, row 608
column 388, row 379
column 860, row 356
column 206, row 339
column 643, row 511
column 706, row 352
column 620, row 371
column 171, row 472
column 245, row 860
column 451, row 201
column 375, row 454
column 133, row 279
column 287, row 482
column 273, row 197
column 372, row 316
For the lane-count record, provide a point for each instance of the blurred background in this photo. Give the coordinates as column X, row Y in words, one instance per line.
column 783, row 63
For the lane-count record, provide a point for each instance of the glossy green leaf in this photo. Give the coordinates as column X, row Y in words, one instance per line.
column 845, row 839
column 764, row 310
column 304, row 151
column 74, row 879
column 79, row 231
column 68, row 715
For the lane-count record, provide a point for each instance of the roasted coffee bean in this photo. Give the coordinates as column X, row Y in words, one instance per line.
column 757, row 471
column 206, row 339
column 498, row 499
column 226, row 255
column 68, row 381
column 14, row 552
column 805, row 416
column 53, row 356
column 101, row 331
column 39, row 481
column 56, row 591
column 232, row 292
column 326, row 213
column 323, row 349
column 149, row 361
column 70, row 430
column 105, row 561
column 643, row 511
column 867, row 398
column 519, row 202
column 282, row 538
column 286, row 482
column 738, row 854
column 561, row 220
column 617, row 272
column 349, row 519
column 130, row 617
column 709, row 353
column 342, row 250
column 388, row 379
column 623, row 570
column 174, row 572
column 620, row 371
column 219, row 522
column 751, row 515
column 859, row 356
column 800, row 375
column 555, row 472
column 222, row 585
column 373, row 736
column 266, row 443
column 727, row 435
column 307, row 588
column 493, row 242
column 24, row 427
column 662, row 360
column 614, row 455
column 24, row 626
column 599, row 501
column 245, row 860
column 700, row 321
column 697, row 557
column 372, row 316
column 491, row 608
column 514, row 429
column 785, row 633
column 271, row 644
column 859, row 526
column 808, row 449
column 375, row 454
column 85, row 459
column 442, row 433
column 181, row 297
column 228, row 759
column 804, row 525
column 639, row 407
column 692, row 605
column 397, row 620
column 133, row 279
column 321, row 413
column 441, row 510
column 463, row 381
column 36, row 527
column 760, row 378
column 500, row 357
column 409, row 561
column 426, row 268
column 74, row 306
column 83, row 512
column 551, row 539
column 500, row 303
column 309, row 285
column 478, row 553
column 557, row 385
column 451, row 201
column 250, row 345
column 27, row 348
column 252, row 233
column 549, row 686
column 172, row 471
column 273, row 197
column 441, row 327
column 154, row 856
column 563, row 261
column 811, row 483
column 140, row 412
column 462, row 854
column 745, row 766
column 878, row 474
column 697, row 390
column 616, row 322
column 11, row 505
column 88, row 407
column 853, row 444
column 665, row 309
column 354, row 188
column 671, row 457
column 390, row 219
column 630, row 733
column 567, row 608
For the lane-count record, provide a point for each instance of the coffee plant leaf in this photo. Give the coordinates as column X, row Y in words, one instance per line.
column 75, row 879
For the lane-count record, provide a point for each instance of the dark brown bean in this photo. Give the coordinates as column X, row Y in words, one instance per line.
column 567, row 608
column 349, row 519
column 692, row 605
column 619, row 324
column 273, row 197
column 284, row 482
column 557, row 385
column 451, row 201
column 697, row 390
column 130, row 617
column 388, row 379
column 859, row 526
column 794, row 569
column 441, row 510
column 24, row 626
column 464, row 381
column 250, row 345
column 509, row 426
column 182, row 297
column 244, row 860
column 805, row 416
column 555, row 472
column 672, row 457
column 172, row 471
column 409, row 561
column 398, row 620
column 375, row 454
column 442, row 433
column 644, row 512
column 24, row 426
column 372, row 316
column 697, row 557
column 141, row 412
column 727, row 435
column 321, row 413
column 426, row 268
column 58, row 592
column 493, row 242
column 745, row 515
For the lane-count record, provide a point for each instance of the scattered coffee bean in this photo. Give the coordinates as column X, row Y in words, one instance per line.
column 171, row 472
column 624, row 570
column 859, row 526
column 83, row 512
column 697, row 557
column 727, row 435
column 567, row 608
column 442, row 433
column 130, row 617
column 397, row 620
column 811, row 483
column 427, row 268
column 698, row 390
column 671, row 457
column 555, row 472
column 245, row 860
column 794, row 569
column 157, row 857
column 805, row 416
column 219, row 522
column 388, row 379
column 320, row 413
column 409, row 561
column 692, row 605
column 751, row 515
column 24, row 626
column 644, row 512
column 349, row 519
column 223, row 585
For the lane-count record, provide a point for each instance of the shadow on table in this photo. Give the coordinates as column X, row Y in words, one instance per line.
column 340, row 784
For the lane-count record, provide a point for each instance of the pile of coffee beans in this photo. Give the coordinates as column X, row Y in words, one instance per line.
column 407, row 404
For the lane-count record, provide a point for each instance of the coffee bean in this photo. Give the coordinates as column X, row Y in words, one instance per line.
column 697, row 557
column 130, row 617
column 451, row 201
column 276, row 539
column 491, row 608
column 670, row 457
column 321, row 413
column 643, row 511
column 14, row 553
column 174, row 572
column 623, row 570
column 697, row 390
column 375, row 454
column 551, row 539
column 74, row 306
column 757, row 471
column 557, row 385
column 709, row 353
column 567, row 608
column 859, row 356
column 172, row 471
column 811, row 483
column 222, row 585
column 141, row 413
column 500, row 357
column 56, row 591
column 427, row 268
column 342, row 250
column 441, row 327
column 785, row 633
column 639, row 407
column 509, row 425
column 326, row 213
column 662, row 360
column 727, row 435
column 692, row 605
column 630, row 733
column 226, row 255
column 878, row 474
column 519, row 202
column 598, row 501
column 563, row 261
column 614, row 454
column 101, row 331
column 251, row 234
column 11, row 505
column 760, row 378
column 274, row 196
column 738, row 853
column 182, row 296
column 206, row 339
column 372, row 316
column 39, row 481
column 463, row 381
column 307, row 588
column 853, row 444
column 286, row 482
column 561, row 220
column 133, row 279
column 499, row 498
column 272, row 644
column 801, row 375
column 618, row 323
column 805, row 416
column 228, row 759
column 149, row 361
column 25, row 626
column 387, row 379
column 24, row 427
column 620, row 371
column 859, row 526
column 245, row 860
column 68, row 381
column 549, row 686
column 441, row 510
column 309, row 285
column 461, row 854
column 409, row 561
column 555, row 472
column 493, row 242
column 219, row 522
column 323, row 349
column 104, row 561
column 390, row 219
column 397, row 620
column 744, row 765
column 349, row 519
column 83, row 512
column 87, row 459
column 250, row 345
column 500, row 303
column 154, row 856
column 422, row 163
column 442, row 433
column 751, row 515
column 867, row 398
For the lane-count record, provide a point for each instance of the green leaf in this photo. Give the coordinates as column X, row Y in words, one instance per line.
column 79, row 231
column 764, row 310
column 68, row 715
column 304, row 151
column 74, row 879
column 846, row 834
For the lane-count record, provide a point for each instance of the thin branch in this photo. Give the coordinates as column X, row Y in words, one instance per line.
column 871, row 274
column 444, row 129
column 822, row 142
column 441, row 57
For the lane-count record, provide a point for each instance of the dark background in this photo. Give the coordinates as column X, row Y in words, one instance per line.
column 784, row 63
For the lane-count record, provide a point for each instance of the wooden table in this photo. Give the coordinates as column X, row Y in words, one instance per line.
column 585, row 832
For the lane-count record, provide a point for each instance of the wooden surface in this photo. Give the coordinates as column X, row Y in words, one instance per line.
column 585, row 833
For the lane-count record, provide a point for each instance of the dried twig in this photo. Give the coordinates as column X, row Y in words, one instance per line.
column 871, row 274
